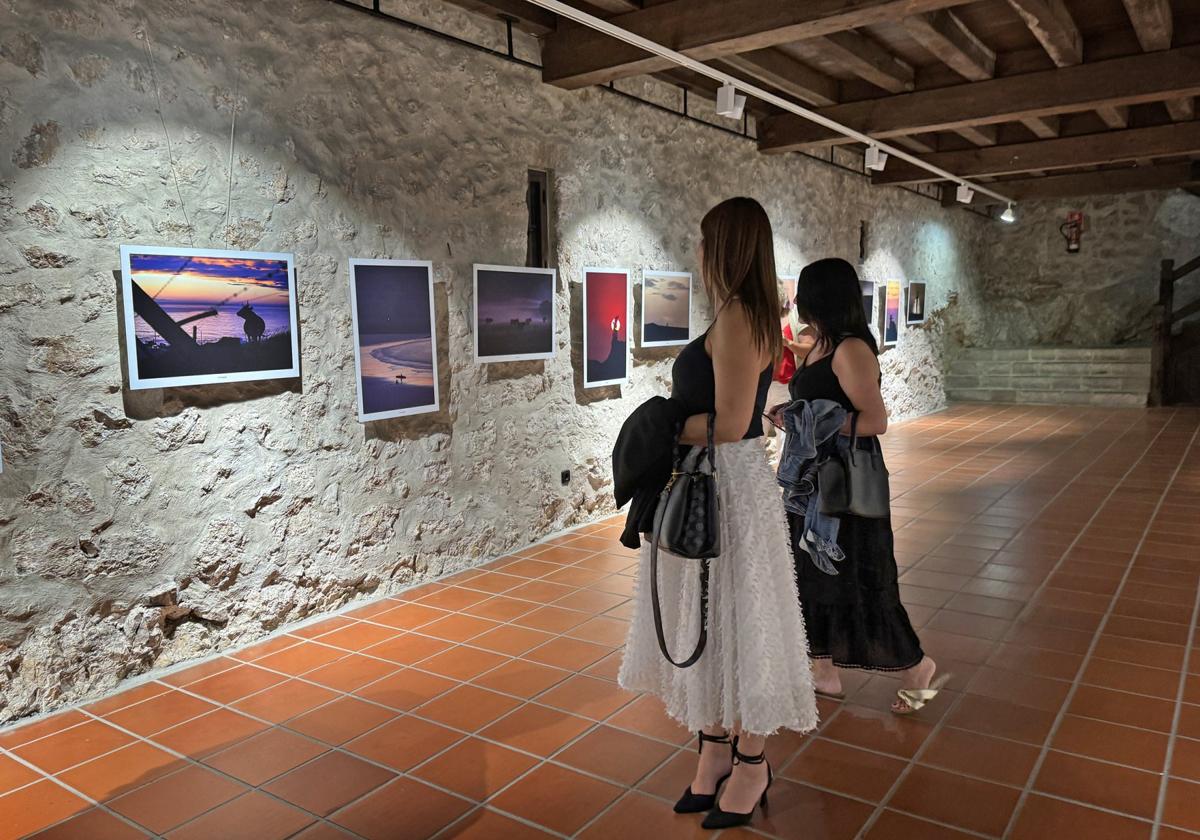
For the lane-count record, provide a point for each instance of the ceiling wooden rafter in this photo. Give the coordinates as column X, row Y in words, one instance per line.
column 1020, row 90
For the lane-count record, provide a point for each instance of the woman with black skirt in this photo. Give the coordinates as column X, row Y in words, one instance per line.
column 854, row 618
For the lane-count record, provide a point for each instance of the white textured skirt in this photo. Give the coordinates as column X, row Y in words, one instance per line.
column 754, row 672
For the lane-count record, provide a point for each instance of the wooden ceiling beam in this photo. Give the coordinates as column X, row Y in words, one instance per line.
column 616, row 7
column 1103, row 182
column 1130, row 80
column 864, row 58
column 575, row 56
column 1061, row 153
column 525, row 16
column 1181, row 110
column 948, row 38
column 784, row 73
column 1043, row 127
column 1153, row 23
column 980, row 135
column 1052, row 25
column 1114, row 116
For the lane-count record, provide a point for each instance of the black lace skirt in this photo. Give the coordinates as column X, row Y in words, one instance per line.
column 855, row 617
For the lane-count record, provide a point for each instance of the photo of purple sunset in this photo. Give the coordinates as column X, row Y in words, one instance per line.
column 514, row 313
column 394, row 338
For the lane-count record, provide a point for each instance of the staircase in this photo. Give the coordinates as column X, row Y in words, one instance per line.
column 1110, row 376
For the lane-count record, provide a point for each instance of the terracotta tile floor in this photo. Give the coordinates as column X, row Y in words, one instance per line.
column 1048, row 556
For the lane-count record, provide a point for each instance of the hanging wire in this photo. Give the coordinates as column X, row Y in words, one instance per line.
column 170, row 154
column 232, row 128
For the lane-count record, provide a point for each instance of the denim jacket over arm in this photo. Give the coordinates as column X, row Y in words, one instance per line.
column 809, row 426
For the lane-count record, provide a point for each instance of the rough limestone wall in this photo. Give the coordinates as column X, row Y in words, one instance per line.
column 1032, row 292
column 139, row 529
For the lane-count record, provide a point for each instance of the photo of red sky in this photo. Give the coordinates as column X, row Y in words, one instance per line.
column 607, row 298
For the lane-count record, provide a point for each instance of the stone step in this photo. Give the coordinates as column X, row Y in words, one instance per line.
column 1051, row 375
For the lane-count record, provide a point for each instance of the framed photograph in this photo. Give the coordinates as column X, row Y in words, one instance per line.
column 606, row 307
column 195, row 316
column 914, row 304
column 395, row 338
column 666, row 308
column 891, row 314
column 868, row 299
column 514, row 313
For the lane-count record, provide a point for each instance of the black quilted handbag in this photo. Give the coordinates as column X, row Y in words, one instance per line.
column 687, row 524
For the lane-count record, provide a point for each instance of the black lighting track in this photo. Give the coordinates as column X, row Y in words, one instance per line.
column 744, row 134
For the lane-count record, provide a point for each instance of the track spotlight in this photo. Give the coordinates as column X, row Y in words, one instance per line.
column 730, row 103
column 964, row 194
column 876, row 158
column 1008, row 215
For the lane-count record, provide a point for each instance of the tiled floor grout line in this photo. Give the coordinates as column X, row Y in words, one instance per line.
column 941, row 722
column 1184, row 670
column 1061, row 714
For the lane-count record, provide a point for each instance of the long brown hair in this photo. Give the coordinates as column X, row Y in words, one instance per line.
column 739, row 261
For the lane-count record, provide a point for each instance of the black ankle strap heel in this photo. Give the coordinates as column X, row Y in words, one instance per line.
column 695, row 803
column 717, row 818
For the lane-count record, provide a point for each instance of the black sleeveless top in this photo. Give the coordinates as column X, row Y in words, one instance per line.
column 818, row 381
column 694, row 384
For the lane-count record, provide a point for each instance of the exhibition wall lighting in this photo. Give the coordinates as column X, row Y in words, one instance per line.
column 730, row 103
column 964, row 194
column 876, row 159
column 654, row 48
column 1008, row 215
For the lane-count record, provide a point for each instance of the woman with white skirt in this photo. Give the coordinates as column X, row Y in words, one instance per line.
column 753, row 677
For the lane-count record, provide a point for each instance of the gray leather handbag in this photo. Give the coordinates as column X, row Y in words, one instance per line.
column 687, row 524
column 854, row 482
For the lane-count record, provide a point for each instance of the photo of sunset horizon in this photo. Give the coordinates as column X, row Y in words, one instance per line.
column 197, row 316
column 395, row 343
column 605, row 326
column 666, row 308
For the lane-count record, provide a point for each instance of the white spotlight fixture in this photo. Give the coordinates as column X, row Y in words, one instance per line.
column 876, row 158
column 1008, row 215
column 964, row 194
column 730, row 103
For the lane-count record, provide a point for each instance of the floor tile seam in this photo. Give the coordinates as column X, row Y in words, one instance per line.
column 1173, row 737
column 1046, row 466
column 49, row 777
column 941, row 722
column 1099, row 631
column 949, row 469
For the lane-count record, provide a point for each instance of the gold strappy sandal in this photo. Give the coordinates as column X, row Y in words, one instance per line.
column 916, row 699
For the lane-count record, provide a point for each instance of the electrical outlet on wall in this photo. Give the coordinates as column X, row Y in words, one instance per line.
column 566, row 477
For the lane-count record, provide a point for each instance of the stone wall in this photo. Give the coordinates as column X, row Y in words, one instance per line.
column 1032, row 292
column 141, row 528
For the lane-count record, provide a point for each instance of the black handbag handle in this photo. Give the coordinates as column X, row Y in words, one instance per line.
column 854, row 436
column 702, row 641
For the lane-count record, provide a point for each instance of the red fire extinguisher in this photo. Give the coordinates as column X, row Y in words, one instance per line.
column 1072, row 231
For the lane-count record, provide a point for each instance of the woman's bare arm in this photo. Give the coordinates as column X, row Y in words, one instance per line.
column 857, row 370
column 737, row 361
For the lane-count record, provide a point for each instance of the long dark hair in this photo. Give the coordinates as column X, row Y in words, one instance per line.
column 829, row 299
column 739, row 261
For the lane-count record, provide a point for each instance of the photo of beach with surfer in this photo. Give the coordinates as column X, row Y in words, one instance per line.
column 197, row 317
column 394, row 337
column 666, row 308
column 605, row 326
column 514, row 313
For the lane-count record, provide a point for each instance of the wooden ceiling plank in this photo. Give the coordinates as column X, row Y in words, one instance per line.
column 1104, row 182
column 1043, row 127
column 1061, row 153
column 1114, row 116
column 1129, row 80
column 525, row 16
column 864, row 58
column 784, row 73
column 980, row 135
column 1181, row 110
column 1054, row 28
column 944, row 35
column 575, row 56
column 1153, row 23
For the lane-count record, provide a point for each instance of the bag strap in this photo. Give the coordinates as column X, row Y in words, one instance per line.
column 657, row 607
column 853, row 434
column 712, row 421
